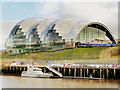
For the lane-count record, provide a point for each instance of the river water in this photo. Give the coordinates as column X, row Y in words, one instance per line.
column 25, row 82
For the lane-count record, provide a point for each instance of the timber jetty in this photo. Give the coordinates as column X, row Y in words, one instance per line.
column 69, row 72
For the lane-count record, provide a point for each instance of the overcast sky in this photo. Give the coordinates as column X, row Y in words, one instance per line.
column 101, row 11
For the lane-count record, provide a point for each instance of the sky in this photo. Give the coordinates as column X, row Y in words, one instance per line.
column 18, row 11
column 13, row 11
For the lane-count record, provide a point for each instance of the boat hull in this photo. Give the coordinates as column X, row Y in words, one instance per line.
column 37, row 76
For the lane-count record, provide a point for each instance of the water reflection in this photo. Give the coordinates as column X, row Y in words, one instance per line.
column 25, row 82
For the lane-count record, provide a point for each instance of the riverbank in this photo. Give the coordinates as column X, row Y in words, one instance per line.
column 68, row 54
column 94, row 55
column 98, row 52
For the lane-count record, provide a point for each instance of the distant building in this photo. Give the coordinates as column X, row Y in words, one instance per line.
column 38, row 34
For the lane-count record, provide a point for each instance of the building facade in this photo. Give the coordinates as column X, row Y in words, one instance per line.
column 39, row 34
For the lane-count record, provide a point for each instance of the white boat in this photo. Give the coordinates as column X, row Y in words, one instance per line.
column 35, row 72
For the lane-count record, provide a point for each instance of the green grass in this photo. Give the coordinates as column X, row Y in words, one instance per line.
column 68, row 54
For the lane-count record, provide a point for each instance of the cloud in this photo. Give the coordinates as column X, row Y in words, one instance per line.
column 46, row 9
column 104, row 12
column 6, row 28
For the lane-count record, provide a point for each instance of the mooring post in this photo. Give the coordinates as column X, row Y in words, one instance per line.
column 87, row 71
column 81, row 72
column 75, row 72
column 69, row 71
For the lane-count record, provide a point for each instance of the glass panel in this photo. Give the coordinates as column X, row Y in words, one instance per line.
column 91, row 35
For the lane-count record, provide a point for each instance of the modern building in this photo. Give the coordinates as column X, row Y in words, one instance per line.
column 39, row 34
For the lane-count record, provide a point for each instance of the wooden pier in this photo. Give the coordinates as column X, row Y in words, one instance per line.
column 102, row 73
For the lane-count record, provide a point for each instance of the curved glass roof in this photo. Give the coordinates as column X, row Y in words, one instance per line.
column 68, row 28
column 26, row 24
column 43, row 28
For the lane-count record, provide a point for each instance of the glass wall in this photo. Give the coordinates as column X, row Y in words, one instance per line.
column 91, row 35
column 53, row 40
column 17, row 42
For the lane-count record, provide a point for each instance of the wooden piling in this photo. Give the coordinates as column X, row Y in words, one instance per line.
column 58, row 69
column 87, row 71
column 24, row 68
column 81, row 72
column 16, row 68
column 107, row 73
column 69, row 71
column 61, row 70
column 100, row 73
column 10, row 68
column 78, row 71
column 64, row 70
column 103, row 74
column 93, row 71
column 20, row 69
column 74, row 72
column 6, row 68
column 114, row 72
column 44, row 70
column 84, row 72
column 13, row 68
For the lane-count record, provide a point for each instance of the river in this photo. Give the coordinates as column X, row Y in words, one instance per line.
column 25, row 82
